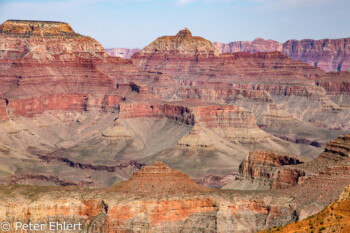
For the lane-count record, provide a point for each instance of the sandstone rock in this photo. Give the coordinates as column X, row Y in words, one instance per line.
column 336, row 82
column 267, row 170
column 158, row 180
column 183, row 44
column 327, row 54
column 340, row 146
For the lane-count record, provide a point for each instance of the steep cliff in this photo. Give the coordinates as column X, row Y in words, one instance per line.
column 271, row 170
column 267, row 170
column 327, row 54
column 257, row 45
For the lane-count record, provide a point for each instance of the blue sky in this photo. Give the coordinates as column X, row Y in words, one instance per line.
column 136, row 23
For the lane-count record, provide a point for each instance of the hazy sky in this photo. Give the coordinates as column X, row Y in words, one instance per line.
column 136, row 23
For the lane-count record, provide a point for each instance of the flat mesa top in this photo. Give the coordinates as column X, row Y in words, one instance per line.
column 34, row 21
column 29, row 28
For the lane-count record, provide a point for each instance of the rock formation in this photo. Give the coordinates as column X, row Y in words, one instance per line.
column 267, row 170
column 183, row 44
column 158, row 180
column 327, row 54
column 271, row 170
column 71, row 115
column 257, row 45
column 333, row 218
column 180, row 204
column 122, row 52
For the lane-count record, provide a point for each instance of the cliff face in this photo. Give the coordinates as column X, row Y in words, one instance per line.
column 267, row 170
column 36, row 28
column 327, row 54
column 43, row 41
column 270, row 170
column 255, row 46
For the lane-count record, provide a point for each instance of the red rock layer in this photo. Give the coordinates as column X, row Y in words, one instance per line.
column 210, row 92
column 255, row 46
column 37, row 28
column 283, row 75
column 328, row 54
column 339, row 146
column 157, row 180
column 47, row 66
column 183, row 43
column 336, row 82
column 264, row 165
column 207, row 115
column 174, row 112
column 224, row 117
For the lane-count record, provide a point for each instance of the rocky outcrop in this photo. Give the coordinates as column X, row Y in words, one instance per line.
column 182, row 44
column 255, row 46
column 174, row 112
column 335, row 82
column 210, row 92
column 267, row 170
column 339, row 146
column 36, row 28
column 233, row 123
column 159, row 180
column 309, row 91
column 334, row 218
column 45, row 41
column 271, row 170
column 327, row 54
column 122, row 52
column 66, row 102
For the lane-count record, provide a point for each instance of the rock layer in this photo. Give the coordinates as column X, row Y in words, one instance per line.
column 158, row 180
column 327, row 54
column 267, row 170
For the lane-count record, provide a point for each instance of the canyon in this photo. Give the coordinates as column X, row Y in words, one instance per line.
column 157, row 198
column 327, row 54
column 127, row 143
